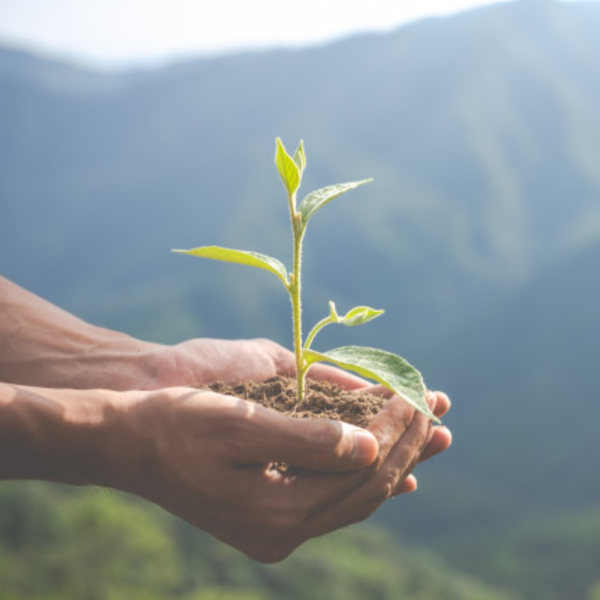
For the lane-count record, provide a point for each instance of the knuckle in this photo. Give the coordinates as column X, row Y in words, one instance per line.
column 397, row 416
column 382, row 491
column 400, row 411
column 387, row 486
column 404, row 456
column 406, row 415
column 418, row 443
column 423, row 437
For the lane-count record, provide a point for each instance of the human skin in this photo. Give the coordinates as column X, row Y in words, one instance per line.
column 68, row 414
column 208, row 458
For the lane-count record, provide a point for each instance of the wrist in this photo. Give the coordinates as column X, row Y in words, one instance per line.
column 57, row 435
column 110, row 360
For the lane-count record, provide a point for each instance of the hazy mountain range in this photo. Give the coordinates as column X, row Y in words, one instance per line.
column 480, row 234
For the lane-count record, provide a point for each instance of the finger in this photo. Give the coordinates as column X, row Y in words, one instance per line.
column 439, row 403
column 442, row 403
column 406, row 486
column 390, row 424
column 440, row 441
column 364, row 499
column 419, row 437
column 405, row 454
column 316, row 444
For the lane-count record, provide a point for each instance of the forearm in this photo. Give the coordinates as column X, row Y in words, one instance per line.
column 43, row 345
column 65, row 436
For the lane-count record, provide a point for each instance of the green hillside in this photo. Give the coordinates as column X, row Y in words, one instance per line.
column 480, row 131
column 553, row 556
column 93, row 544
column 532, row 363
column 515, row 502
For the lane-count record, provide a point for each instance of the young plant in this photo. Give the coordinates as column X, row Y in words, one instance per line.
column 384, row 367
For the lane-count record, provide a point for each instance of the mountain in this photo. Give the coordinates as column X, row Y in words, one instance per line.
column 553, row 556
column 476, row 130
column 480, row 236
column 515, row 501
column 531, row 365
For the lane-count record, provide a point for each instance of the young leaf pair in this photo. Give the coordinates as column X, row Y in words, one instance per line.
column 384, row 367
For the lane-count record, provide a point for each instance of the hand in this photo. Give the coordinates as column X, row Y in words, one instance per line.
column 204, row 361
column 208, row 458
column 438, row 440
column 200, row 361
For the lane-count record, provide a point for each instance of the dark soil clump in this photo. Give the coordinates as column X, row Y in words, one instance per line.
column 324, row 400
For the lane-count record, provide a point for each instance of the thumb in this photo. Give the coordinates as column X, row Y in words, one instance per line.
column 318, row 444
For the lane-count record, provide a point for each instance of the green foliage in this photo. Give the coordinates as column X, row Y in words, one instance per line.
column 102, row 547
column 388, row 369
column 290, row 169
column 106, row 546
column 114, row 550
column 549, row 556
column 311, row 203
column 225, row 593
column 594, row 593
column 241, row 257
column 358, row 315
column 364, row 563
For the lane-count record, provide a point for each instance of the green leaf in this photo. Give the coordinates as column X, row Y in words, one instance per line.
column 242, row 257
column 300, row 157
column 333, row 315
column 289, row 171
column 315, row 200
column 388, row 369
column 359, row 315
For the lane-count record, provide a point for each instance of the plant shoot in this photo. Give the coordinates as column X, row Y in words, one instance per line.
column 384, row 367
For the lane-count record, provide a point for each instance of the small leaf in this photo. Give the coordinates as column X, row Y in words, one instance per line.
column 359, row 315
column 300, row 157
column 288, row 169
column 242, row 257
column 335, row 318
column 388, row 369
column 315, row 200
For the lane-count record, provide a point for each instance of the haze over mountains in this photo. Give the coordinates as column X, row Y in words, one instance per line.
column 480, row 234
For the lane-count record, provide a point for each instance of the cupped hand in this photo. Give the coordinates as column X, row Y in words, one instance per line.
column 209, row 458
column 204, row 361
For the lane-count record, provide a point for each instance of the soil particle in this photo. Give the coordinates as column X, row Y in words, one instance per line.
column 324, row 400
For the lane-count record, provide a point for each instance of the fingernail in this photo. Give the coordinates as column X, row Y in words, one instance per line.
column 365, row 448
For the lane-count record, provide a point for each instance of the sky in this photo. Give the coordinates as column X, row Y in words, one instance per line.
column 121, row 33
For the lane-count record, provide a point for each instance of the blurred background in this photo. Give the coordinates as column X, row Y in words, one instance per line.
column 134, row 128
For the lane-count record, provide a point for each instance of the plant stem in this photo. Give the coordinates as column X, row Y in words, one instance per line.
column 295, row 293
column 311, row 336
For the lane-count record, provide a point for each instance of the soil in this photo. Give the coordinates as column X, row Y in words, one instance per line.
column 324, row 400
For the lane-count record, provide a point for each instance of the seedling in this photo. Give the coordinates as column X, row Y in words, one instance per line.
column 384, row 367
